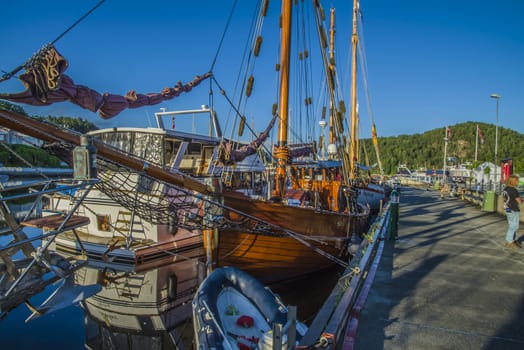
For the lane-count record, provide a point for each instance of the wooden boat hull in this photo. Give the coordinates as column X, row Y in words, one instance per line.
column 273, row 258
column 285, row 241
column 306, row 221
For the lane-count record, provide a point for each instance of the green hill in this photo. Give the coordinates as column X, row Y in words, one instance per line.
column 427, row 150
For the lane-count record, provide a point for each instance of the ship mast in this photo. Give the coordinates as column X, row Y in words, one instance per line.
column 282, row 150
column 353, row 142
column 332, row 69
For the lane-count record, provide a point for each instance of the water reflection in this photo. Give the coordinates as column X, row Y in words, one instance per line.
column 141, row 309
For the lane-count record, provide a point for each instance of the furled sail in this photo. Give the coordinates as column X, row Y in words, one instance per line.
column 302, row 150
column 228, row 155
column 46, row 84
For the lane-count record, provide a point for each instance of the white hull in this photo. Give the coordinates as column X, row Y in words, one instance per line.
column 372, row 195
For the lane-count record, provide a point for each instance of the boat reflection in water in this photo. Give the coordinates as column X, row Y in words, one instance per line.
column 141, row 309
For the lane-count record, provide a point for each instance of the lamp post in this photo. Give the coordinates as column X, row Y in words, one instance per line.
column 496, row 97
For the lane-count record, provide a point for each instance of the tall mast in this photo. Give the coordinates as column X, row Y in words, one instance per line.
column 332, row 68
column 282, row 151
column 353, row 142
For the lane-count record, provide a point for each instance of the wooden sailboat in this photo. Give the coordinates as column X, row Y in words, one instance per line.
column 303, row 227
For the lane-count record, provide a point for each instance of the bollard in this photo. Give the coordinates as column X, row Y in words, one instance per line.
column 393, row 217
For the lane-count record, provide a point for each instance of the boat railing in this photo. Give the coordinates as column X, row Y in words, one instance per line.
column 333, row 323
column 24, row 268
column 214, row 126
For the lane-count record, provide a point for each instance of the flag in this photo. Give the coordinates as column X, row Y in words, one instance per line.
column 481, row 135
column 448, row 133
column 506, row 166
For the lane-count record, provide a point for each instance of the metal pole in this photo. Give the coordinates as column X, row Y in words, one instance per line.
column 496, row 97
column 496, row 139
column 476, row 144
column 445, row 155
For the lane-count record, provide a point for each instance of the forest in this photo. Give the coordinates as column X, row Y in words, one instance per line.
column 426, row 150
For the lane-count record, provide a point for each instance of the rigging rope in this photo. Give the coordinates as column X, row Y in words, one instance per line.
column 223, row 36
column 340, row 122
column 9, row 75
column 237, row 111
column 363, row 67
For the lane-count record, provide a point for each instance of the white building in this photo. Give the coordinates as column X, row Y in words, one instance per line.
column 481, row 175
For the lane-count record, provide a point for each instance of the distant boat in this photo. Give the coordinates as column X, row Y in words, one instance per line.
column 233, row 310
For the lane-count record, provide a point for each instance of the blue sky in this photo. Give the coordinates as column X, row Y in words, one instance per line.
column 430, row 63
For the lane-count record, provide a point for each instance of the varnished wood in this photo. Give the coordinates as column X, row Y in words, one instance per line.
column 53, row 222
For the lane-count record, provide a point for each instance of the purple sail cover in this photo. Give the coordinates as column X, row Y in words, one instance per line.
column 227, row 156
column 46, row 84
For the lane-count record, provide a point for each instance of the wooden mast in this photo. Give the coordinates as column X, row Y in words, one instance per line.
column 282, row 150
column 353, row 142
column 332, row 68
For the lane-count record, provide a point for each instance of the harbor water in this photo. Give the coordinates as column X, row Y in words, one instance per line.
column 137, row 309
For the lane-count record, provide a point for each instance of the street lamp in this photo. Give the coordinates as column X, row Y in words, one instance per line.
column 496, row 97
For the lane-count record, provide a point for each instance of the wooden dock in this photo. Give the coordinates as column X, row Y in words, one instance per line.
column 448, row 282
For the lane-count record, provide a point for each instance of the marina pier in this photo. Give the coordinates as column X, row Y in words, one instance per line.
column 447, row 282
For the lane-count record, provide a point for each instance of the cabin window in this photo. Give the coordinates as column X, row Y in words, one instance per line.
column 194, row 148
column 171, row 151
column 102, row 222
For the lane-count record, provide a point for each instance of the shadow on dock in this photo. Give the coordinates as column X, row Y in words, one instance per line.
column 447, row 282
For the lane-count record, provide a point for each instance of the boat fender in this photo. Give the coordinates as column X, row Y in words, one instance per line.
column 245, row 321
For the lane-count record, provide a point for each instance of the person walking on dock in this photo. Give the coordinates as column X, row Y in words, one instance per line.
column 512, row 201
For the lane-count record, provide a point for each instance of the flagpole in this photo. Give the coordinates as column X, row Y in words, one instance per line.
column 476, row 143
column 445, row 151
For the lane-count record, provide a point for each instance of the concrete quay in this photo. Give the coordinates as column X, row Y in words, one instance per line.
column 447, row 282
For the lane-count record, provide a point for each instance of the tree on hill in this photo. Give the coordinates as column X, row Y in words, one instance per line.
column 76, row 124
column 426, row 150
column 33, row 155
column 22, row 155
column 11, row 107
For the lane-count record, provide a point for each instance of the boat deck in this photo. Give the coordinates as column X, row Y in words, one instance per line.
column 447, row 282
